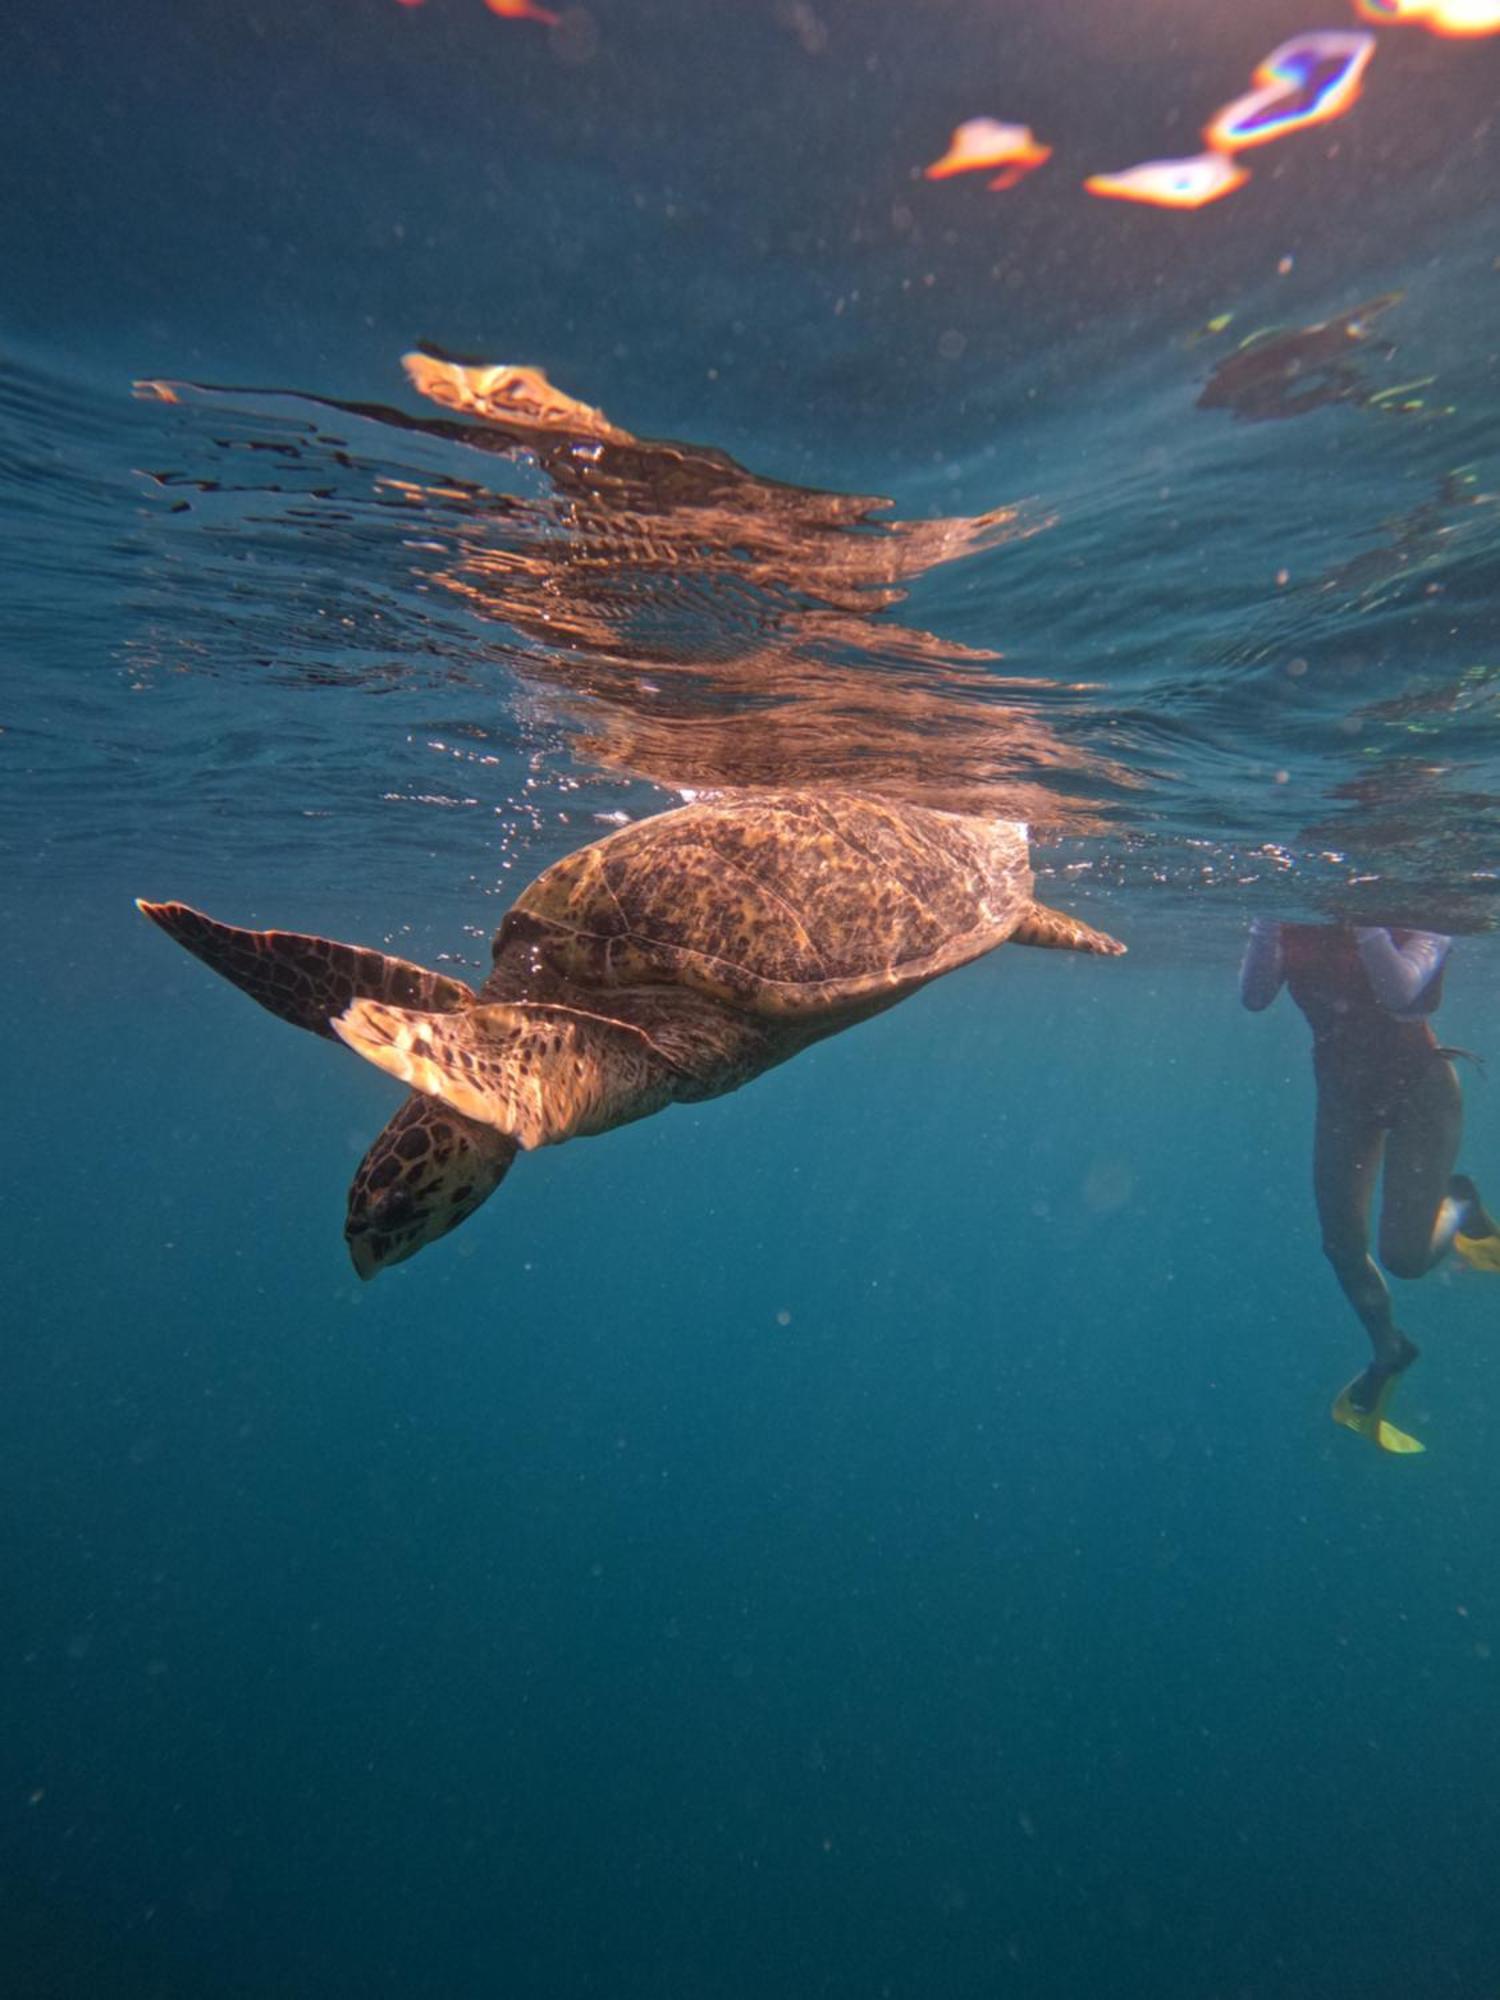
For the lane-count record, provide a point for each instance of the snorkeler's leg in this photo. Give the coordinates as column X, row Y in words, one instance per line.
column 1347, row 1147
column 1347, row 1151
column 1420, row 1212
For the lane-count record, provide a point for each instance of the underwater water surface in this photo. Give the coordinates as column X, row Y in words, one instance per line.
column 878, row 1532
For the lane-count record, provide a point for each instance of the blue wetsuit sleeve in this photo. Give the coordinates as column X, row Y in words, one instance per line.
column 1400, row 973
column 1263, row 967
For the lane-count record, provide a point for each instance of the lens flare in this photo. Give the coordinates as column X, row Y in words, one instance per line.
column 1172, row 183
column 508, row 10
column 1307, row 80
column 981, row 143
column 1444, row 17
column 1465, row 17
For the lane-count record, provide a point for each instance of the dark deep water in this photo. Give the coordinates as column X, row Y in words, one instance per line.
column 879, row 1532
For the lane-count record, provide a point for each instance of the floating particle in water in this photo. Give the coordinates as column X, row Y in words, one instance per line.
column 1304, row 82
column 1108, row 1185
column 981, row 143
column 1210, row 329
column 1173, row 183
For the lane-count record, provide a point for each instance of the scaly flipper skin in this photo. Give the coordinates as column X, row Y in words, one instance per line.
column 305, row 980
column 430, row 1168
column 1053, row 930
column 426, row 1173
column 540, row 1073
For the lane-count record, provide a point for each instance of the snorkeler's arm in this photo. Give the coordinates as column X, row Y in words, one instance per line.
column 1400, row 973
column 1263, row 967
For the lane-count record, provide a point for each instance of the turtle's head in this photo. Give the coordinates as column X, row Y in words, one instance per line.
column 426, row 1173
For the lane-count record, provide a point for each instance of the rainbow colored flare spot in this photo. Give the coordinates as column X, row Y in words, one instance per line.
column 1465, row 17
column 1307, row 80
column 1444, row 17
column 1173, row 183
column 981, row 143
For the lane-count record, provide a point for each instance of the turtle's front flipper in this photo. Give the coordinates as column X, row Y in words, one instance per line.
column 305, row 980
column 540, row 1073
column 1052, row 930
column 426, row 1173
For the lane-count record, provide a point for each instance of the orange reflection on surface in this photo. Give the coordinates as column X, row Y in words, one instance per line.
column 1303, row 82
column 980, row 143
column 702, row 627
column 1444, row 17
column 1172, row 183
column 505, row 392
column 522, row 10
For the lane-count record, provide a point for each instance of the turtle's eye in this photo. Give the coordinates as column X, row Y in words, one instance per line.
column 393, row 1210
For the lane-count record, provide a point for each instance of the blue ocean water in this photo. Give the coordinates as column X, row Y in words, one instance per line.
column 878, row 1532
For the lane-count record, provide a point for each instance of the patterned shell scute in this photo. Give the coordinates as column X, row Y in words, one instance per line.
column 783, row 903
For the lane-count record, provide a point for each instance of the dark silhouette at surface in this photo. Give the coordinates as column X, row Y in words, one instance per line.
column 1388, row 1097
column 1285, row 372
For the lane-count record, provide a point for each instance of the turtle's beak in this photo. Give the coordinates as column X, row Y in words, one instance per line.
column 379, row 1239
column 362, row 1254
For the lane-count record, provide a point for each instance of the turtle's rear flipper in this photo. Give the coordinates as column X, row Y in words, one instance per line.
column 1052, row 930
column 306, row 980
column 540, row 1073
column 426, row 1173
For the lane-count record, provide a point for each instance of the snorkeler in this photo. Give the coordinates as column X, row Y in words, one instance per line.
column 1386, row 1089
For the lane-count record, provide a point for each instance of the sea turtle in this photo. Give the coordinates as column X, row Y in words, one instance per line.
column 670, row 961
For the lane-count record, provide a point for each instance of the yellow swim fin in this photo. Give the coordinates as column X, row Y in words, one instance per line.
column 1371, row 1423
column 1480, row 1253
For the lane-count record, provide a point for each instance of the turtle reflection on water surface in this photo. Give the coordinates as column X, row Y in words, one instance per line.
column 671, row 961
